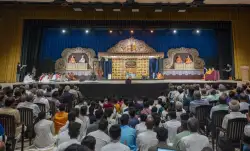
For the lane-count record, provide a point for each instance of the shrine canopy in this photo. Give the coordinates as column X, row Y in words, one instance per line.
column 131, row 48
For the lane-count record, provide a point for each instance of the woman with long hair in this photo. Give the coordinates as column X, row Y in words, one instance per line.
column 44, row 130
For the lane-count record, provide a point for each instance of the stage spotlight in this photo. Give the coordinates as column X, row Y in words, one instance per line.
column 110, row 31
column 86, row 31
column 131, row 31
column 198, row 31
column 175, row 31
column 63, row 31
column 151, row 31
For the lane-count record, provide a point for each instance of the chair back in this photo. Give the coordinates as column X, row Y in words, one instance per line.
column 9, row 125
column 26, row 115
column 213, row 103
column 202, row 112
column 235, row 129
column 184, row 116
column 244, row 111
column 52, row 106
column 217, row 117
column 41, row 107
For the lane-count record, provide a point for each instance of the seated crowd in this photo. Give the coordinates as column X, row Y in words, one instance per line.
column 167, row 122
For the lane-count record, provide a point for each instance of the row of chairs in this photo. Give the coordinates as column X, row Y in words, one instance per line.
column 234, row 131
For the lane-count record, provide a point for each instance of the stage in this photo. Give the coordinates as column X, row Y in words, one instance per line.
column 138, row 88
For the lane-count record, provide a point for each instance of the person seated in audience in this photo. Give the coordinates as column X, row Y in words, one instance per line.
column 100, row 135
column 40, row 99
column 157, row 121
column 67, row 98
column 146, row 109
column 60, row 118
column 204, row 94
column 133, row 121
column 91, row 115
column 28, row 103
column 220, row 107
column 115, row 145
column 141, row 127
column 213, row 96
column 73, row 132
column 172, row 125
column 183, row 131
column 55, row 98
column 94, row 127
column 194, row 141
column 248, row 94
column 2, row 99
column 9, row 110
column 231, row 95
column 128, row 134
column 84, row 118
column 181, row 94
column 244, row 105
column 44, row 130
column 197, row 101
column 63, row 135
column 108, row 115
column 164, row 112
column 246, row 137
column 163, row 97
column 173, row 93
column 89, row 142
column 48, row 93
column 162, row 136
column 179, row 110
column 108, row 104
column 154, row 110
column 147, row 139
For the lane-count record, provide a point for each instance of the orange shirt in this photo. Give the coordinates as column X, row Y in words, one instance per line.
column 60, row 120
column 118, row 108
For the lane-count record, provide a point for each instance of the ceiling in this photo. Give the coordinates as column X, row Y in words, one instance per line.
column 210, row 2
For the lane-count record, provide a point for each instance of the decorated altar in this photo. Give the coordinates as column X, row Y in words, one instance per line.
column 130, row 59
column 76, row 61
column 183, row 63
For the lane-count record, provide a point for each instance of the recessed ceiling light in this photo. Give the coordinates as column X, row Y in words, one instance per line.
column 117, row 10
column 158, row 10
column 99, row 9
column 77, row 9
column 182, row 10
column 135, row 10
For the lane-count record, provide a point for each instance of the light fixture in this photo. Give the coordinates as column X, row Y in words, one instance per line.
column 131, row 31
column 175, row 31
column 86, row 31
column 110, row 31
column 117, row 10
column 135, row 10
column 158, row 10
column 182, row 10
column 63, row 31
column 197, row 31
column 151, row 31
column 99, row 9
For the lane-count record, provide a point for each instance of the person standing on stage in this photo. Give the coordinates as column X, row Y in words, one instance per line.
column 229, row 71
column 18, row 70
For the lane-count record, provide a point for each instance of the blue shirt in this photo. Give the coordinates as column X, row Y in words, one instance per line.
column 133, row 122
column 128, row 137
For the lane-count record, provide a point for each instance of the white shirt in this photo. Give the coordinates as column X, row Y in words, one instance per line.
column 244, row 106
column 194, row 142
column 64, row 137
column 43, row 101
column 140, row 128
column 65, row 145
column 164, row 114
column 247, row 130
column 44, row 137
column 101, row 138
column 178, row 114
column 163, row 98
column 115, row 146
column 172, row 127
column 146, row 139
column 86, row 123
column 82, row 129
column 30, row 105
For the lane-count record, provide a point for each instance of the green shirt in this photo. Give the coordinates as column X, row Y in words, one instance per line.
column 178, row 138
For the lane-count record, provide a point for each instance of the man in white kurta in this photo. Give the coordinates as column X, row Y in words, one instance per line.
column 147, row 139
column 115, row 145
column 194, row 141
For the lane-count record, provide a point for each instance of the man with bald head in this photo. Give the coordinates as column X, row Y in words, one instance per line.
column 148, row 138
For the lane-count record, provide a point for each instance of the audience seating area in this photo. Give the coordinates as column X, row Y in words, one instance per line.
column 182, row 118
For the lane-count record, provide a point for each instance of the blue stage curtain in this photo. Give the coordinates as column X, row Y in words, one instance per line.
column 109, row 66
column 156, row 65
